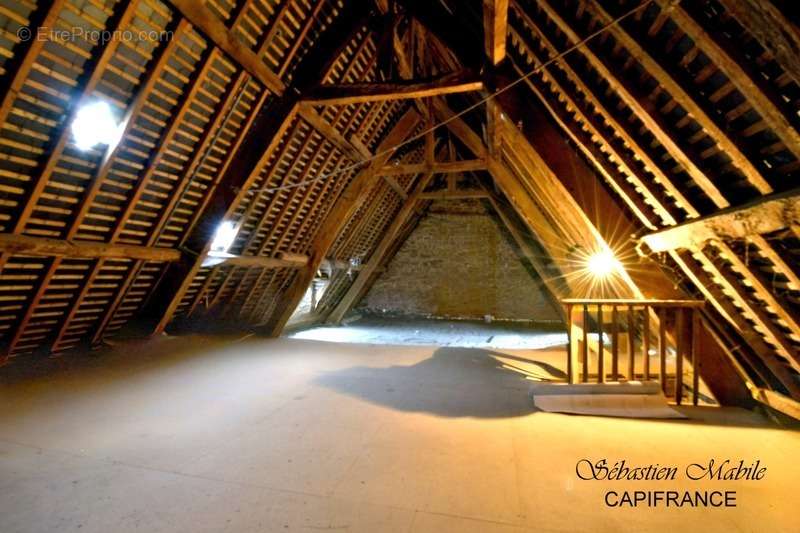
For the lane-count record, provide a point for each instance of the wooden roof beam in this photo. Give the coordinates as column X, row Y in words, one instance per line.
column 703, row 282
column 354, row 150
column 495, row 25
column 258, row 261
column 354, row 93
column 39, row 246
column 25, row 53
column 458, row 194
column 438, row 167
column 765, row 215
column 731, row 62
column 212, row 27
column 633, row 100
column 772, row 29
column 249, row 158
column 335, row 220
column 651, row 65
column 459, row 128
column 358, row 285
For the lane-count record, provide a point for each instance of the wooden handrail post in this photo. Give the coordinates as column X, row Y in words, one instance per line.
column 631, row 344
column 662, row 348
column 572, row 348
column 585, row 347
column 601, row 375
column 696, row 325
column 676, row 323
column 680, row 352
column 646, row 342
column 614, row 343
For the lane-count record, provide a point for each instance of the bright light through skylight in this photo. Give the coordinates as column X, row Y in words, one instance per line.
column 95, row 124
column 224, row 237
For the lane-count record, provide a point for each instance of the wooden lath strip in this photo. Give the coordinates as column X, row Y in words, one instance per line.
column 335, row 219
column 355, row 151
column 682, row 97
column 626, row 162
column 714, row 297
column 760, row 96
column 329, row 158
column 366, row 272
column 135, row 107
column 201, row 17
column 121, row 20
column 26, row 53
column 205, row 143
column 26, row 245
column 164, row 143
column 651, row 121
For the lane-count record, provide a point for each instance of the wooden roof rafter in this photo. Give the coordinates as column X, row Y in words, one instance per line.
column 720, row 300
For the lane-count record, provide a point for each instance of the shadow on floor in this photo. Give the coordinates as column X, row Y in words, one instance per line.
column 478, row 383
column 453, row 382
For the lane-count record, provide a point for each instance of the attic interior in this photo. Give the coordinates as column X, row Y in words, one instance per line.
column 388, row 265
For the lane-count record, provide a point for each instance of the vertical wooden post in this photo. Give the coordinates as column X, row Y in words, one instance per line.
column 585, row 347
column 614, row 343
column 662, row 348
column 646, row 343
column 631, row 344
column 680, row 351
column 572, row 349
column 601, row 374
column 696, row 325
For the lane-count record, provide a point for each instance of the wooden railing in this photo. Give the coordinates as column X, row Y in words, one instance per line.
column 601, row 331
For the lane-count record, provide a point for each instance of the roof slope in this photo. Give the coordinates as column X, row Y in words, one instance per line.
column 311, row 127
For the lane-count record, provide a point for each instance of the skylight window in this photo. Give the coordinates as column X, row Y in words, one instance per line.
column 95, row 124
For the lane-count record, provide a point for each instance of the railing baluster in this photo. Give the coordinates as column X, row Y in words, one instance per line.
column 631, row 344
column 662, row 348
column 614, row 344
column 680, row 351
column 601, row 374
column 585, row 347
column 696, row 325
column 571, row 344
column 678, row 324
column 646, row 342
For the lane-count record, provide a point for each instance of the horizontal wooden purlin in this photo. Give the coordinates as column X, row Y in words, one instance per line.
column 211, row 25
column 468, row 165
column 652, row 302
column 353, row 93
column 25, row 245
column 769, row 213
column 459, row 194
column 259, row 261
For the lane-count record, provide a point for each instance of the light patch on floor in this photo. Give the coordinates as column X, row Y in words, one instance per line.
column 467, row 334
column 195, row 434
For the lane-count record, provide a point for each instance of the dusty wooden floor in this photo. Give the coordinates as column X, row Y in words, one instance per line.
column 196, row 434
